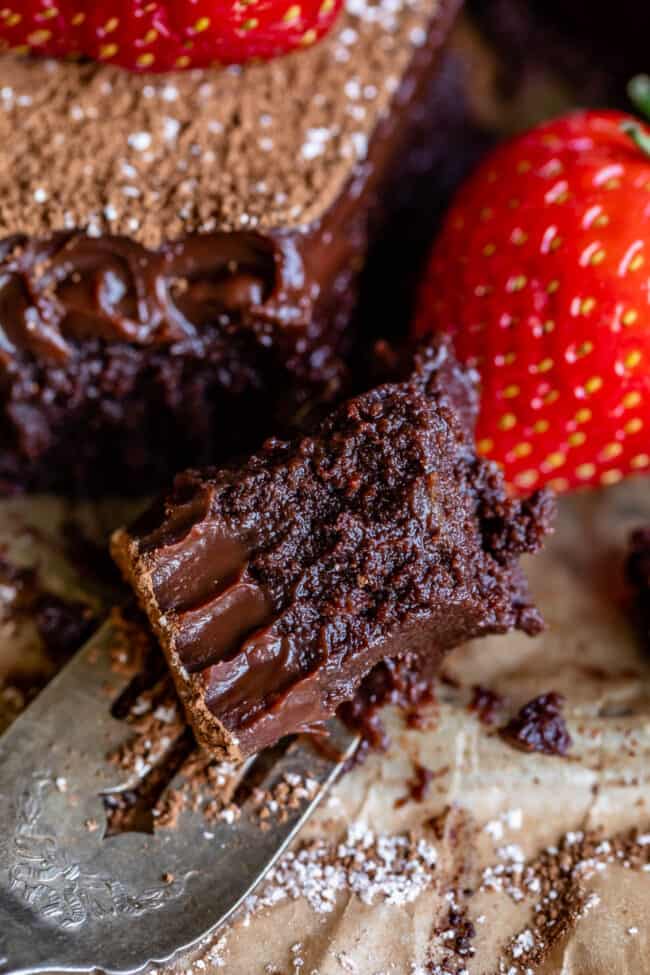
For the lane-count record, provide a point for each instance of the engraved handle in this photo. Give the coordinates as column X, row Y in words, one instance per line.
column 71, row 900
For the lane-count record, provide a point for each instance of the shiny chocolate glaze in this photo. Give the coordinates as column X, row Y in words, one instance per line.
column 73, row 287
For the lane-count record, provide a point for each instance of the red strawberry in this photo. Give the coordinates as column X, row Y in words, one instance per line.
column 164, row 35
column 542, row 273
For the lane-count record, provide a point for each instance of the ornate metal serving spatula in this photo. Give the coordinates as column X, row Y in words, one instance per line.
column 74, row 899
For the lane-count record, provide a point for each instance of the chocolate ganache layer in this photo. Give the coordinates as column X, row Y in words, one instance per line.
column 61, row 291
column 163, row 297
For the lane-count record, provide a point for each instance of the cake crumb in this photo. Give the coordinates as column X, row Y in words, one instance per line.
column 539, row 727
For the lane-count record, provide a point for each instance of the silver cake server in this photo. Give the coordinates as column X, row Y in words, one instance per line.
column 75, row 900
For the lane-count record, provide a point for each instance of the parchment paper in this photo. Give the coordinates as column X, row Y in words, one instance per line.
column 485, row 797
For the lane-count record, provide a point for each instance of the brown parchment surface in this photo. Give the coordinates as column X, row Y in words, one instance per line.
column 590, row 653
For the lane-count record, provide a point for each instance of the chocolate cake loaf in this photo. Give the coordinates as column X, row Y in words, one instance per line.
column 275, row 585
column 179, row 254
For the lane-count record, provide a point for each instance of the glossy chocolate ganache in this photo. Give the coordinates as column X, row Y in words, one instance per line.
column 179, row 262
column 71, row 287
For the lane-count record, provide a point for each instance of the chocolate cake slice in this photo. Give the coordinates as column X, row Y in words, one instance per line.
column 276, row 584
column 179, row 254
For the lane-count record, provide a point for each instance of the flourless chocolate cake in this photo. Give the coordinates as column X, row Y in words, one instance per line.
column 179, row 254
column 276, row 584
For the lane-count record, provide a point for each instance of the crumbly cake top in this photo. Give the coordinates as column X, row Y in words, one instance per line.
column 156, row 156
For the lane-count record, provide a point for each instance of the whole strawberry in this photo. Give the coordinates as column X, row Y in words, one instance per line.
column 542, row 273
column 165, row 35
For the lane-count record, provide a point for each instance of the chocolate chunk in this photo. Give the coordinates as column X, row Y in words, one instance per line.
column 276, row 584
column 539, row 727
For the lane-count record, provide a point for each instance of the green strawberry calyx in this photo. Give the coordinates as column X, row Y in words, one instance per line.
column 639, row 94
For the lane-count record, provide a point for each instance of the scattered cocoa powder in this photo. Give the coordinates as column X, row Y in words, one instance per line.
column 168, row 809
column 452, row 946
column 205, row 786
column 555, row 881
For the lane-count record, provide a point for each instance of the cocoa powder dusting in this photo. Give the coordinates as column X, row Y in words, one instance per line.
column 555, row 884
column 455, row 933
column 153, row 157
column 287, row 796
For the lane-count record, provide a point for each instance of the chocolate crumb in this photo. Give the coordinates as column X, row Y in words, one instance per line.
column 63, row 625
column 397, row 682
column 438, row 823
column 90, row 558
column 418, row 786
column 539, row 726
column 132, row 644
column 486, row 704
